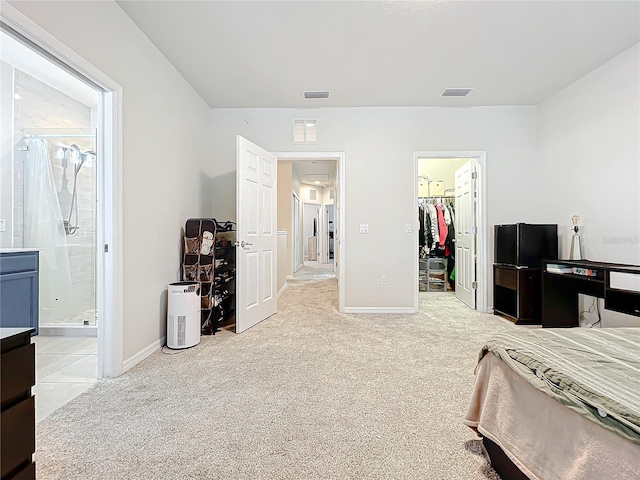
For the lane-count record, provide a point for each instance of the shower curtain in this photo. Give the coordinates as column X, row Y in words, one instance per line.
column 44, row 230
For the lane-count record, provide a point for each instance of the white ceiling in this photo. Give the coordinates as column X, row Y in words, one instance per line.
column 392, row 53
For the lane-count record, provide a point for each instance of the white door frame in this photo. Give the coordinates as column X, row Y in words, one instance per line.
column 295, row 227
column 110, row 264
column 339, row 246
column 482, row 245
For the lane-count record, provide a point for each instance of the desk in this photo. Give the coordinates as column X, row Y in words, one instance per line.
column 560, row 291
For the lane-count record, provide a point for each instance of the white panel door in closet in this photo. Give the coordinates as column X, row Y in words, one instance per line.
column 465, row 226
column 256, row 236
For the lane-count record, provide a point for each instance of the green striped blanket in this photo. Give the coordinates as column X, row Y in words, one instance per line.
column 594, row 371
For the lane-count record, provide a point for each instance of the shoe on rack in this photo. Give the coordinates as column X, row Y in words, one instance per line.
column 207, row 243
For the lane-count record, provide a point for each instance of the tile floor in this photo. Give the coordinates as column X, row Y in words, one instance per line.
column 65, row 367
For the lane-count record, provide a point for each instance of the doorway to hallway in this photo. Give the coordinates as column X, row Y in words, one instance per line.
column 311, row 212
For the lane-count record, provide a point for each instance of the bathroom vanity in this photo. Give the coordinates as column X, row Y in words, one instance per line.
column 19, row 289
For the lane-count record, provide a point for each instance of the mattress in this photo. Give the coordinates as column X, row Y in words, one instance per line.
column 594, row 372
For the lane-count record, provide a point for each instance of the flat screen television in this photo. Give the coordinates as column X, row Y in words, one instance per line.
column 525, row 244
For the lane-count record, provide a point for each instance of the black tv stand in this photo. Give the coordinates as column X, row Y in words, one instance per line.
column 560, row 290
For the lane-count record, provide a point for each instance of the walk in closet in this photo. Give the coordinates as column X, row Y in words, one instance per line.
column 436, row 223
column 209, row 258
column 436, row 243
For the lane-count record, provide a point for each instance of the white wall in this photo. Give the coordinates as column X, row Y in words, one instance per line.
column 167, row 164
column 589, row 137
column 438, row 170
column 379, row 146
column 285, row 222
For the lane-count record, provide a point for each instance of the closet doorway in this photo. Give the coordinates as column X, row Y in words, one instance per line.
column 451, row 234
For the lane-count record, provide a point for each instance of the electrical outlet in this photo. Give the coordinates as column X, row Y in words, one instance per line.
column 383, row 280
column 364, row 228
column 3, row 225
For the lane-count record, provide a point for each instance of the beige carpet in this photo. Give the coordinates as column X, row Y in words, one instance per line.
column 307, row 394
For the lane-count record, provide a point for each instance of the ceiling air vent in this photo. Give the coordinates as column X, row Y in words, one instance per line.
column 305, row 130
column 314, row 94
column 456, row 92
column 317, row 177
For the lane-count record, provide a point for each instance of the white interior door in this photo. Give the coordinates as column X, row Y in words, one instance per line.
column 256, row 246
column 465, row 226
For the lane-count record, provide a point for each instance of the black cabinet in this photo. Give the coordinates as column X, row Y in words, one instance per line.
column 17, row 418
column 517, row 277
column 517, row 293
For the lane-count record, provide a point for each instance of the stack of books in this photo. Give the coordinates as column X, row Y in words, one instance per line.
column 556, row 268
column 587, row 272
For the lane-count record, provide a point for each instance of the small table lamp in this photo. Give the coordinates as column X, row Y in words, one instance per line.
column 576, row 252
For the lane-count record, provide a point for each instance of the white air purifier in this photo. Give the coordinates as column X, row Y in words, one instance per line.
column 183, row 315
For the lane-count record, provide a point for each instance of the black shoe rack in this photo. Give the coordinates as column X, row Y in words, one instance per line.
column 209, row 257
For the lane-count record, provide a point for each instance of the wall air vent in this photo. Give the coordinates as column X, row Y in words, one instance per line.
column 305, row 130
column 456, row 92
column 314, row 94
column 313, row 194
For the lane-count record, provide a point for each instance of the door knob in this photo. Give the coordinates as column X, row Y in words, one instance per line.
column 243, row 244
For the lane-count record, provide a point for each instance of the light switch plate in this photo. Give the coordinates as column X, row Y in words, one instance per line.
column 407, row 228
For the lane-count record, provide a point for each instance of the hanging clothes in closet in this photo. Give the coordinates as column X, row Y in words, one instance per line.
column 437, row 232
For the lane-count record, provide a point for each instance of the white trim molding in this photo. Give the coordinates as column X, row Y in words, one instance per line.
column 110, row 264
column 380, row 310
column 142, row 354
column 284, row 287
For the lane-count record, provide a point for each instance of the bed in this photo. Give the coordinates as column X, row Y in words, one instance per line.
column 560, row 403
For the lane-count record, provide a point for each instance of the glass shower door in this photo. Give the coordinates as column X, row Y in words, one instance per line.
column 56, row 186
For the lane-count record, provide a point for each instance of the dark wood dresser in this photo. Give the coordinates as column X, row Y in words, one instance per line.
column 18, row 418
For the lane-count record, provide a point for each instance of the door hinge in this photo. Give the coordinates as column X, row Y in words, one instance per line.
column 106, row 248
column 474, row 175
column 474, row 230
column 474, row 284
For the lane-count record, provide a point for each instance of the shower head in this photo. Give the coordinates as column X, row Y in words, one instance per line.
column 75, row 155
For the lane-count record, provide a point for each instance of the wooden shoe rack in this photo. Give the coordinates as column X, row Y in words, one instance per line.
column 209, row 257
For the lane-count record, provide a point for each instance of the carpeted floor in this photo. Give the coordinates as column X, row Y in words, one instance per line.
column 307, row 394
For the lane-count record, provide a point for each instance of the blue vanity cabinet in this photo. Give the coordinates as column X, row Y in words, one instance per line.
column 19, row 289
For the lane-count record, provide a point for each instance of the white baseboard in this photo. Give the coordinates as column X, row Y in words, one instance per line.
column 284, row 287
column 142, row 354
column 68, row 330
column 379, row 310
